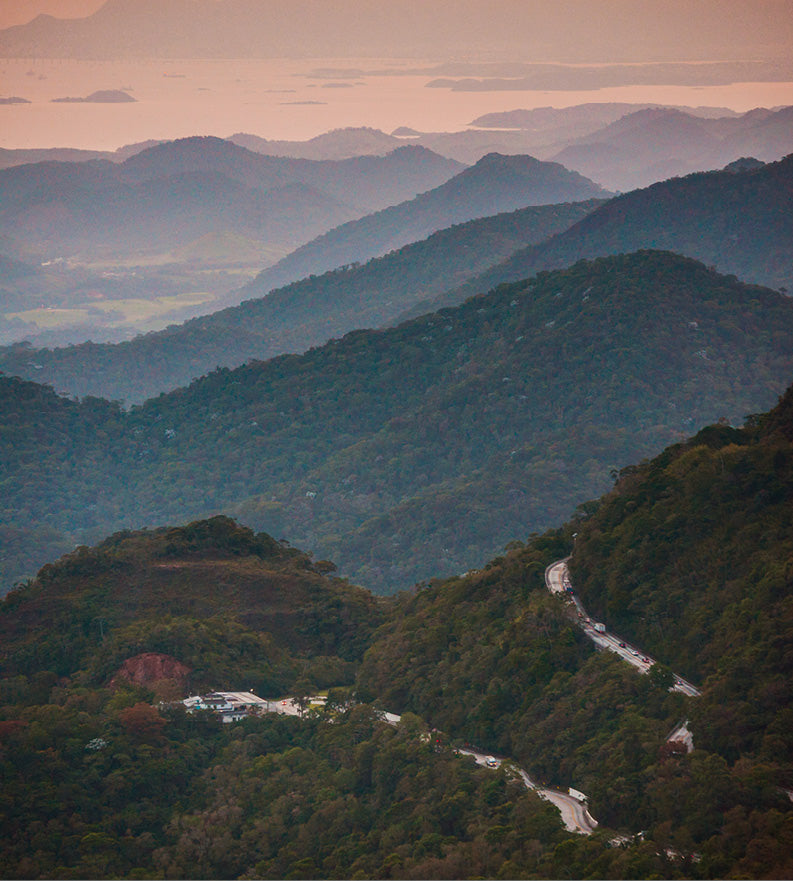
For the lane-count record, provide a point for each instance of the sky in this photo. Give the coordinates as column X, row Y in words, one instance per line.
column 755, row 22
column 283, row 99
column 13, row 12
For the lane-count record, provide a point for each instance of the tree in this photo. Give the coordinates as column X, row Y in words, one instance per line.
column 142, row 722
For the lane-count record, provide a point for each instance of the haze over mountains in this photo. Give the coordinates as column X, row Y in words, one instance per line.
column 738, row 221
column 428, row 442
column 294, row 318
column 654, row 144
column 172, row 193
column 182, row 223
column 495, row 184
column 148, row 241
column 619, row 145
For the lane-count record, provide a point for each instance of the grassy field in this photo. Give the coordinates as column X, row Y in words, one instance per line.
column 144, row 315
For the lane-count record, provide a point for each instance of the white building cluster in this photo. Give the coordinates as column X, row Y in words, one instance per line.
column 232, row 706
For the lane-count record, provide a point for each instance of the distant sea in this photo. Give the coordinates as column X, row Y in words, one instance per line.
column 282, row 99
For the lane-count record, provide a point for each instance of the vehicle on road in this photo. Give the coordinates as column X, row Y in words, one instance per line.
column 622, row 645
column 491, row 762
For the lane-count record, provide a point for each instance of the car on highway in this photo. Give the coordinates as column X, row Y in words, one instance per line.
column 622, row 645
column 491, row 762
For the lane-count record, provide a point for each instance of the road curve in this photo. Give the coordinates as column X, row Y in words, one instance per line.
column 557, row 580
column 574, row 813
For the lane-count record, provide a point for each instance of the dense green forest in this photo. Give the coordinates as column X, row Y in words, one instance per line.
column 689, row 556
column 737, row 220
column 231, row 604
column 102, row 781
column 294, row 318
column 421, row 450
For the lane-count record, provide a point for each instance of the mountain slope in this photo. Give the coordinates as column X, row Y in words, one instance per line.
column 294, row 318
column 649, row 145
column 174, row 192
column 150, row 588
column 490, row 657
column 688, row 557
column 510, row 410
column 739, row 223
column 495, row 184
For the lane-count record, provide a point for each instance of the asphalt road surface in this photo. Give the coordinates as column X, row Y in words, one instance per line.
column 557, row 580
column 575, row 816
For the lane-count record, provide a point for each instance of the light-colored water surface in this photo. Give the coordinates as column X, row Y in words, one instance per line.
column 280, row 99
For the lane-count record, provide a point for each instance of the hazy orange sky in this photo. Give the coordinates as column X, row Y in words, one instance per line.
column 762, row 12
column 281, row 98
column 741, row 28
column 21, row 11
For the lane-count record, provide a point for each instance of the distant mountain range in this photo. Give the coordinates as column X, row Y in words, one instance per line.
column 173, row 193
column 496, row 183
column 291, row 319
column 739, row 220
column 407, row 453
column 120, row 247
column 619, row 145
column 649, row 145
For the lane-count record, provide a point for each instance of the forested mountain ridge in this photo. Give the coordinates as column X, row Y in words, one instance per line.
column 491, row 657
column 737, row 221
column 689, row 557
column 714, row 582
column 422, row 449
column 493, row 185
column 291, row 319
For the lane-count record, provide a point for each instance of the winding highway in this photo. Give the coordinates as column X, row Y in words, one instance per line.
column 557, row 580
column 572, row 808
column 575, row 815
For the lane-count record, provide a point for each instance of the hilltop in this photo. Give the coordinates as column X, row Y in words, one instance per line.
column 189, row 592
